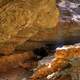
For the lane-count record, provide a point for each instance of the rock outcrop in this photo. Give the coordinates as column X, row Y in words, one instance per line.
column 64, row 65
column 34, row 39
column 20, row 20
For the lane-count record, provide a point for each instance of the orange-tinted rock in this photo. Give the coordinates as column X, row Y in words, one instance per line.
column 66, row 61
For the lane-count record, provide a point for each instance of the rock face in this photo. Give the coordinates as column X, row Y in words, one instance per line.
column 20, row 20
column 63, row 66
column 34, row 23
column 70, row 10
column 28, row 26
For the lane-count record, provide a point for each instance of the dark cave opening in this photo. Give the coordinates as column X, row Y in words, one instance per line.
column 51, row 47
column 40, row 52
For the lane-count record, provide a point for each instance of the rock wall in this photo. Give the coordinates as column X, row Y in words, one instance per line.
column 21, row 19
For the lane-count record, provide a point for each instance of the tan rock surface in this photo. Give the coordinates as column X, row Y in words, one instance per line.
column 22, row 19
column 64, row 32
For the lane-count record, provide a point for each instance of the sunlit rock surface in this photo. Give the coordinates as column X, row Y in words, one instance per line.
column 68, row 30
column 38, row 27
column 20, row 20
column 29, row 24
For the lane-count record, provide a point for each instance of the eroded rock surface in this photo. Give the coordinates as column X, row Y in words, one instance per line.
column 29, row 24
column 64, row 65
column 20, row 20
